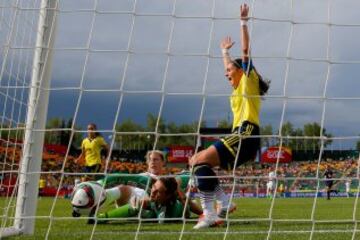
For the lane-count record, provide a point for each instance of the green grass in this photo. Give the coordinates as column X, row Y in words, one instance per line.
column 291, row 221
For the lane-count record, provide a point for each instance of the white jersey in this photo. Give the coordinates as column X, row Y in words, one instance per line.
column 272, row 177
column 77, row 182
column 271, row 181
column 149, row 174
column 114, row 194
column 139, row 193
column 347, row 186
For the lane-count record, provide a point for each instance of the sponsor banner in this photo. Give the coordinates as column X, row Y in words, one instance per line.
column 179, row 154
column 284, row 195
column 271, row 154
column 55, row 148
column 312, row 194
column 51, row 192
column 208, row 141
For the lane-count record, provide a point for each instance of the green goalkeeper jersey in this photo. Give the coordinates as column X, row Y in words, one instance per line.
column 184, row 178
column 173, row 210
column 143, row 181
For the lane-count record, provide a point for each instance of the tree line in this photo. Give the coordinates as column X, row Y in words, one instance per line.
column 131, row 135
column 305, row 138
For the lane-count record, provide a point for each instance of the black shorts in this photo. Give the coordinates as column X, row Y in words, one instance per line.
column 92, row 169
column 247, row 138
column 329, row 183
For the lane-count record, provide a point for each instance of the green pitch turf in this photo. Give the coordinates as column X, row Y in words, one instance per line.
column 291, row 220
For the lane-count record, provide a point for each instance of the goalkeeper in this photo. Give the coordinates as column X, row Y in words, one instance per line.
column 138, row 186
column 120, row 188
column 162, row 203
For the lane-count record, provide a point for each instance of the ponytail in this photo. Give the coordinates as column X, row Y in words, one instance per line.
column 264, row 84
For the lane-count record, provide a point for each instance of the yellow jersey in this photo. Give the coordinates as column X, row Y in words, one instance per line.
column 92, row 150
column 42, row 183
column 245, row 100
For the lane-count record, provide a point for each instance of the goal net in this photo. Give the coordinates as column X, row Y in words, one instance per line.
column 149, row 74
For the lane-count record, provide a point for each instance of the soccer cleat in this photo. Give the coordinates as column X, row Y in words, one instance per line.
column 221, row 212
column 207, row 222
column 91, row 221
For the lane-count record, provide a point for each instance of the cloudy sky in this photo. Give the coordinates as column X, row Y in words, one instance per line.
column 130, row 58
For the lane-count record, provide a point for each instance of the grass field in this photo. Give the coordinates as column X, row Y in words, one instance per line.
column 291, row 220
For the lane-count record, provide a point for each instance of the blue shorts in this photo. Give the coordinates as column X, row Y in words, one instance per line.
column 247, row 138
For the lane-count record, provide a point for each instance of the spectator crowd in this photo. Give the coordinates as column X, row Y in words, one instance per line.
column 294, row 176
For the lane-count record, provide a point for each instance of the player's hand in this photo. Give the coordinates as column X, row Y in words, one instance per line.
column 135, row 202
column 79, row 161
column 226, row 43
column 244, row 12
column 75, row 213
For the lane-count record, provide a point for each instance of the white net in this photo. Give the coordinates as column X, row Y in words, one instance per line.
column 18, row 34
column 149, row 74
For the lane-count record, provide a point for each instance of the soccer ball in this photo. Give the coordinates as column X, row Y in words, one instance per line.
column 86, row 197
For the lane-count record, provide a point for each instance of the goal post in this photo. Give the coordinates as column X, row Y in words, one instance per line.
column 31, row 157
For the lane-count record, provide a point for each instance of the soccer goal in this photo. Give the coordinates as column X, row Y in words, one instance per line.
column 27, row 31
column 150, row 75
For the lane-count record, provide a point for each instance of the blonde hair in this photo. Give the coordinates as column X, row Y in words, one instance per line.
column 161, row 153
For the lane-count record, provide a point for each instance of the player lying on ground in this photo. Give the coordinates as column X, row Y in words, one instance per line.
column 163, row 203
column 114, row 189
column 136, row 186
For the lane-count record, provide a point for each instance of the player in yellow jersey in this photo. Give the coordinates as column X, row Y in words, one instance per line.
column 242, row 146
column 91, row 150
column 42, row 185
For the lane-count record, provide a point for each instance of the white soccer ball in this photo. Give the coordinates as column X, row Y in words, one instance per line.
column 86, row 196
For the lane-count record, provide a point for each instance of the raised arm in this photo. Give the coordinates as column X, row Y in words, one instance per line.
column 244, row 32
column 225, row 45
